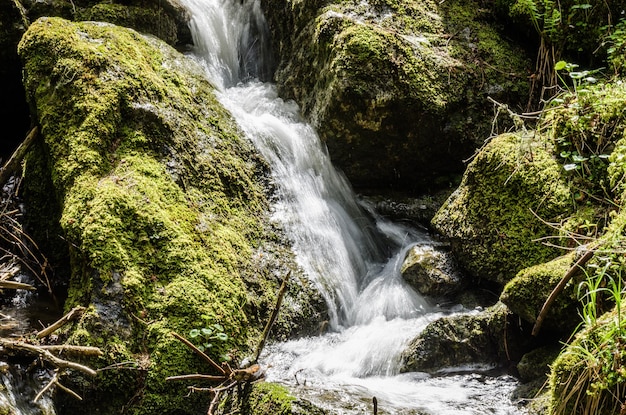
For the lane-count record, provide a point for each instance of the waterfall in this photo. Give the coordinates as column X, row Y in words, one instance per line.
column 337, row 241
column 350, row 254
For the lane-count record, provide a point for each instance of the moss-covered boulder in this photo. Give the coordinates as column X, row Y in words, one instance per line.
column 526, row 294
column 163, row 207
column 589, row 376
column 166, row 19
column 397, row 90
column 509, row 194
column 484, row 339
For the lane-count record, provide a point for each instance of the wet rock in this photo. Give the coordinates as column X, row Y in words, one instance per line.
column 431, row 271
column 484, row 339
column 397, row 90
column 165, row 19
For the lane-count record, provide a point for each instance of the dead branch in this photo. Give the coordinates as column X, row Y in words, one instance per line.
column 44, row 354
column 73, row 350
column 574, row 269
column 68, row 390
column 9, row 270
column 55, row 382
column 270, row 322
column 47, row 387
column 72, row 315
column 12, row 164
column 13, row 285
column 199, row 353
column 197, row 376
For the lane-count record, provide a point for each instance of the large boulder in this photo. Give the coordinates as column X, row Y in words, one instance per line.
column 485, row 339
column 397, row 90
column 166, row 19
column 163, row 207
column 510, row 193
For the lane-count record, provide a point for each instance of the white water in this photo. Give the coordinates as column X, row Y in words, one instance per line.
column 351, row 255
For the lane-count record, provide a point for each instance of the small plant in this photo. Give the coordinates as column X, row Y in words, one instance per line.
column 207, row 336
column 597, row 382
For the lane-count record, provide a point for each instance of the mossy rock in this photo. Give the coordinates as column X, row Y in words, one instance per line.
column 397, row 90
column 267, row 398
column 527, row 292
column 577, row 30
column 484, row 339
column 536, row 363
column 431, row 271
column 164, row 208
column 589, row 376
column 509, row 193
column 166, row 19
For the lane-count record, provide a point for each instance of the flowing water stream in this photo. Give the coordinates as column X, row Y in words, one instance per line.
column 352, row 255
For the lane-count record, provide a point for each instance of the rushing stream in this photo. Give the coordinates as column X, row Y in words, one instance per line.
column 352, row 255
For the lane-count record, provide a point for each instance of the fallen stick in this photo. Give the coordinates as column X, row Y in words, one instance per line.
column 13, row 162
column 9, row 271
column 574, row 269
column 73, row 350
column 13, row 285
column 270, row 322
column 45, row 355
column 197, row 376
column 73, row 314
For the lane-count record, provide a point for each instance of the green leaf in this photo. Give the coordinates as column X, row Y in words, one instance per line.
column 221, row 336
column 560, row 65
column 194, row 333
column 206, row 331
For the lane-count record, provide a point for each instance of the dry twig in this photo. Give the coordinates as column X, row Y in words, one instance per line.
column 73, row 314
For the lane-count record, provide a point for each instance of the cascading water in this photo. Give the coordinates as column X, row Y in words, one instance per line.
column 350, row 254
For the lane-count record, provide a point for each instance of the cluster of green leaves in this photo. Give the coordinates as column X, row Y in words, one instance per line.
column 616, row 42
column 205, row 337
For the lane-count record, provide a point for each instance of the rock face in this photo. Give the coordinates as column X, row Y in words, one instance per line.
column 509, row 193
column 484, row 339
column 431, row 271
column 163, row 205
column 397, row 90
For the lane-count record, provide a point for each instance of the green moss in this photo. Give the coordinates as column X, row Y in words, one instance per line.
column 509, row 193
column 526, row 293
column 162, row 204
column 145, row 18
column 589, row 376
column 377, row 80
column 268, row 398
column 484, row 338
